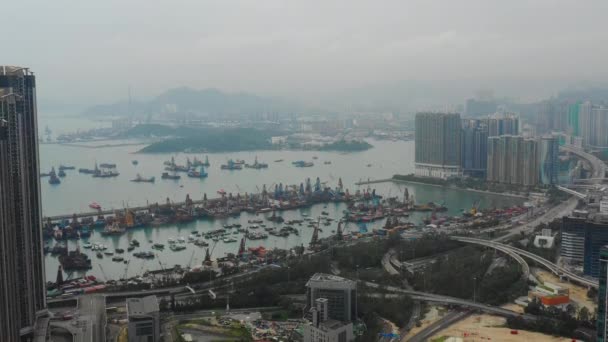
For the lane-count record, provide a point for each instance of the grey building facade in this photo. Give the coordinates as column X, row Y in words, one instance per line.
column 512, row 160
column 144, row 319
column 22, row 280
column 339, row 292
column 438, row 145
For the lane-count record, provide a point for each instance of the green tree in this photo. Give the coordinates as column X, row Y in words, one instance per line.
column 583, row 314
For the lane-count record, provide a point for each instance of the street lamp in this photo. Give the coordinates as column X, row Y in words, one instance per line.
column 474, row 289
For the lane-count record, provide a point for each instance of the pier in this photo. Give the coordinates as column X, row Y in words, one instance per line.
column 112, row 211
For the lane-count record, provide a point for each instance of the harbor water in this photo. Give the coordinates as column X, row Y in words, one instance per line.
column 77, row 191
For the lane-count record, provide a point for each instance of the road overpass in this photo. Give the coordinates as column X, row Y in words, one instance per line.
column 598, row 166
column 572, row 192
column 447, row 300
column 557, row 270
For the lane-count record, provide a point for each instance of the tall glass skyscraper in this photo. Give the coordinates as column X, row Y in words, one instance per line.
column 548, row 160
column 22, row 283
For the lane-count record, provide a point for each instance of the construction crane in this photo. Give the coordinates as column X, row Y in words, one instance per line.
column 160, row 263
column 141, row 271
column 102, row 272
column 191, row 258
column 126, row 270
column 315, row 234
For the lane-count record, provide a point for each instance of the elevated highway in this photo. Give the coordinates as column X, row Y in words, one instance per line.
column 555, row 269
column 447, row 300
column 598, row 166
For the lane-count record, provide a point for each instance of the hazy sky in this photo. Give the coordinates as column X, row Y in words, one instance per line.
column 90, row 51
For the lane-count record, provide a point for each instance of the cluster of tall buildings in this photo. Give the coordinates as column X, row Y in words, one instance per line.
column 586, row 120
column 23, row 314
column 512, row 160
column 490, row 147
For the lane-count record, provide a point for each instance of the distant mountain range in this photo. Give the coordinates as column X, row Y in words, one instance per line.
column 187, row 100
column 397, row 97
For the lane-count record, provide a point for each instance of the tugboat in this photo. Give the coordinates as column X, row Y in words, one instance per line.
column 140, row 179
column 166, row 175
column 53, row 177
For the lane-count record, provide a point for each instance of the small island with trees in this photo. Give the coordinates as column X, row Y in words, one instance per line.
column 212, row 139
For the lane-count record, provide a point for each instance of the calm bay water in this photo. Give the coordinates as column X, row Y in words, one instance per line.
column 78, row 190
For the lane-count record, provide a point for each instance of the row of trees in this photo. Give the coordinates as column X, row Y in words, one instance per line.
column 553, row 320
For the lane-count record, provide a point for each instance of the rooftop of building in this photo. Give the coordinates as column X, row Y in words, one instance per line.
column 142, row 306
column 13, row 70
column 332, row 324
column 330, row 280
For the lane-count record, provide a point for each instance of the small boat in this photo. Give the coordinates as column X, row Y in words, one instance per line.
column 134, row 162
column 119, row 250
column 221, row 192
column 54, row 179
column 130, row 248
column 108, row 253
column 44, row 175
column 63, row 167
column 99, row 255
column 301, row 163
column 61, row 173
column 118, row 259
column 166, row 175
column 278, row 160
column 95, row 205
column 108, row 165
column 177, row 248
column 140, row 179
column 315, row 157
column 134, row 242
column 87, row 245
column 158, row 246
column 229, row 240
column 369, row 165
column 327, row 162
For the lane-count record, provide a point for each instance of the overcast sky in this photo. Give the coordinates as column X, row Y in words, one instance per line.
column 91, row 51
